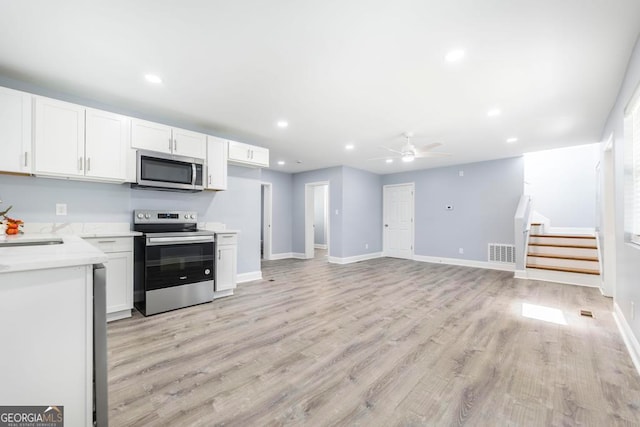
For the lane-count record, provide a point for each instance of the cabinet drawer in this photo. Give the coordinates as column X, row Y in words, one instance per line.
column 226, row 239
column 112, row 244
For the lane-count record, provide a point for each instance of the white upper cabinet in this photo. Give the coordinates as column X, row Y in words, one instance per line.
column 15, row 131
column 165, row 139
column 216, row 163
column 64, row 149
column 107, row 145
column 248, row 155
column 59, row 142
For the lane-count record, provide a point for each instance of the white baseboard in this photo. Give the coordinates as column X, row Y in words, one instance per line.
column 317, row 246
column 284, row 255
column 564, row 277
column 221, row 294
column 465, row 263
column 356, row 258
column 570, row 230
column 298, row 255
column 122, row 314
column 249, row 277
column 627, row 336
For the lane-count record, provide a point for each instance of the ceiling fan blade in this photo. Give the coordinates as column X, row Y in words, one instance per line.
column 431, row 154
column 391, row 149
column 429, row 146
column 384, row 158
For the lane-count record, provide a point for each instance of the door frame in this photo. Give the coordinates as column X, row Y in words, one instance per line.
column 267, row 220
column 608, row 219
column 412, row 185
column 309, row 216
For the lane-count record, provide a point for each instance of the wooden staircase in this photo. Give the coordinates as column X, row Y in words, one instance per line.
column 574, row 255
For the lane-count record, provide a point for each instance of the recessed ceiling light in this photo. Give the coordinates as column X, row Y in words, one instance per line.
column 349, row 147
column 408, row 157
column 389, row 160
column 282, row 124
column 494, row 112
column 281, row 162
column 454, row 55
column 152, row 78
column 510, row 140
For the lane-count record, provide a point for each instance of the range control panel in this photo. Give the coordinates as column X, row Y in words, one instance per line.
column 164, row 217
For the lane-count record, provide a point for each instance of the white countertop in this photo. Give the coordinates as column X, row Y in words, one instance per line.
column 85, row 230
column 72, row 252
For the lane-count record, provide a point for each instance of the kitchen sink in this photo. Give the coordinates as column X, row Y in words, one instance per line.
column 43, row 242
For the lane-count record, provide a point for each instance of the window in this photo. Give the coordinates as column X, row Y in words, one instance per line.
column 632, row 131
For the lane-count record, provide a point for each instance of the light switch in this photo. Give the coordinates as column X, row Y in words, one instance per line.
column 61, row 209
column 461, row 173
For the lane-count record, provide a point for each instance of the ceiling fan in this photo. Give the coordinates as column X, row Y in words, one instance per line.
column 409, row 152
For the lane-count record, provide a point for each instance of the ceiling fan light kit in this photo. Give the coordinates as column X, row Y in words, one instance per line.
column 408, row 153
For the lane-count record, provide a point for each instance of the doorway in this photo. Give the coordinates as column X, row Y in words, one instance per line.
column 266, row 219
column 316, row 218
column 398, row 228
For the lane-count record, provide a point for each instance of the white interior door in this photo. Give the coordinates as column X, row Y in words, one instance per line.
column 266, row 221
column 309, row 218
column 398, row 220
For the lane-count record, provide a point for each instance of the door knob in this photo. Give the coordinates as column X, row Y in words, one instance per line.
column 386, row 225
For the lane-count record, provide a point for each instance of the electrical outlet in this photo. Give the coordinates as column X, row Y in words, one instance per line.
column 61, row 209
column 461, row 173
column 460, row 250
column 366, row 246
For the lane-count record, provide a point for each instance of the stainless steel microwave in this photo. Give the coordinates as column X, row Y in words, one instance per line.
column 161, row 171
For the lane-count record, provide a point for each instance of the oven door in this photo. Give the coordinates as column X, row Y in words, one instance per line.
column 176, row 261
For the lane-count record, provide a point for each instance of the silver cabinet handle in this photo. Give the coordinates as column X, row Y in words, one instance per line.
column 88, row 164
column 209, row 179
column 80, row 163
column 175, row 145
column 227, row 237
column 106, row 241
column 26, row 156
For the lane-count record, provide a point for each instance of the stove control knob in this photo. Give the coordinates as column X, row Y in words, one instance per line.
column 192, row 216
column 186, row 216
column 140, row 215
column 148, row 216
column 207, row 271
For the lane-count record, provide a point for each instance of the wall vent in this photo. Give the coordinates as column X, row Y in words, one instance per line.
column 499, row 252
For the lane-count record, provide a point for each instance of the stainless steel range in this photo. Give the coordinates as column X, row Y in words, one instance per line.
column 173, row 261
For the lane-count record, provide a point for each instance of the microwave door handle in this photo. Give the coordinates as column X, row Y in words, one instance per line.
column 193, row 174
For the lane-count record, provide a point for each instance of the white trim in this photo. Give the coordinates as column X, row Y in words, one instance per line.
column 570, row 230
column 117, row 315
column 564, row 277
column 249, row 277
column 465, row 262
column 319, row 246
column 309, row 216
column 356, row 258
column 298, row 255
column 284, row 255
column 627, row 336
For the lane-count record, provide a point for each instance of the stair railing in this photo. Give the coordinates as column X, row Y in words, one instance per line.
column 522, row 226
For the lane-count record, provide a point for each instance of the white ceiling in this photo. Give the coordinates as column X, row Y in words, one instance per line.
column 339, row 71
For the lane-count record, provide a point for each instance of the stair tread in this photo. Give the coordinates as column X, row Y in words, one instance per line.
column 564, row 236
column 559, row 245
column 566, row 269
column 574, row 257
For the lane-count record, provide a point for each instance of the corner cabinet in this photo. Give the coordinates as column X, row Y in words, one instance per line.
column 226, row 263
column 72, row 141
column 216, row 163
column 166, row 139
column 119, row 274
column 15, row 131
column 248, row 155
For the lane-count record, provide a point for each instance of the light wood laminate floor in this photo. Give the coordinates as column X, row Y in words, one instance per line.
column 378, row 343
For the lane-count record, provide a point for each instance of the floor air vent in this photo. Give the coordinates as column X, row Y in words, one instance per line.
column 499, row 252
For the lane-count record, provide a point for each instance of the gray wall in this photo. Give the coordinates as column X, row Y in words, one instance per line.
column 627, row 287
column 319, row 229
column 334, row 177
column 281, row 185
column 362, row 219
column 484, row 200
column 34, row 200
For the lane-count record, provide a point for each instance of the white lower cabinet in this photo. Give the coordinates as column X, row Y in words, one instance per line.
column 226, row 263
column 119, row 275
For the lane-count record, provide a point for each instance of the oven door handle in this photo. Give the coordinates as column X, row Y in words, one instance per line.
column 157, row 241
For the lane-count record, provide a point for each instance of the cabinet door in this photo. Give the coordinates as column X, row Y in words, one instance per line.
column 216, row 163
column 260, row 156
column 59, row 147
column 15, row 131
column 119, row 282
column 107, row 145
column 226, row 267
column 151, row 136
column 191, row 144
column 239, row 152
